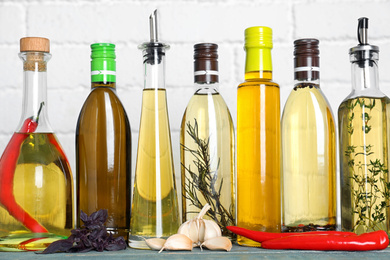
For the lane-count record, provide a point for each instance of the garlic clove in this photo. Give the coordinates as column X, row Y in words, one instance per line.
column 155, row 243
column 217, row 243
column 211, row 230
column 177, row 242
column 193, row 230
column 201, row 231
column 184, row 229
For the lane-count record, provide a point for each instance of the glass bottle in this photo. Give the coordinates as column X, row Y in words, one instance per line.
column 103, row 147
column 155, row 211
column 258, row 139
column 308, row 148
column 364, row 125
column 36, row 193
column 207, row 145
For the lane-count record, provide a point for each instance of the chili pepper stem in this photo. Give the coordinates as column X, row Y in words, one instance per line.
column 39, row 112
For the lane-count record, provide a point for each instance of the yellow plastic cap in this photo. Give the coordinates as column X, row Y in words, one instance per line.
column 258, row 36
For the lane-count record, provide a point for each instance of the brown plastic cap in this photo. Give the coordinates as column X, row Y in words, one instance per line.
column 35, row 44
column 206, row 62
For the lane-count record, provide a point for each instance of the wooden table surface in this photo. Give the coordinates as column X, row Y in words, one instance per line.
column 238, row 252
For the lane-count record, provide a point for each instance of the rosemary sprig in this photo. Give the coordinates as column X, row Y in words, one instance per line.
column 201, row 184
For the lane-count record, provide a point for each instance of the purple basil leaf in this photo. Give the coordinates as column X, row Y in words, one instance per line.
column 96, row 219
column 118, row 243
column 83, row 216
column 92, row 236
column 80, row 249
column 58, row 246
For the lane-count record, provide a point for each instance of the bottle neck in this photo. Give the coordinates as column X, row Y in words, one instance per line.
column 365, row 78
column 299, row 82
column 154, row 68
column 35, row 90
column 111, row 85
column 306, row 71
column 207, row 88
column 103, row 72
column 206, row 76
column 258, row 63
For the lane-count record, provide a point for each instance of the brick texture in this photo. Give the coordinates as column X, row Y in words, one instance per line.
column 73, row 25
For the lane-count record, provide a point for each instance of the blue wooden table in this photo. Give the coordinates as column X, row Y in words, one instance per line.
column 238, row 252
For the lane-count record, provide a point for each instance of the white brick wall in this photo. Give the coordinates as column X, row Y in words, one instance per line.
column 72, row 25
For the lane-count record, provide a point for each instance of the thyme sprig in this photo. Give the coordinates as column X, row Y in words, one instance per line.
column 370, row 188
column 201, row 184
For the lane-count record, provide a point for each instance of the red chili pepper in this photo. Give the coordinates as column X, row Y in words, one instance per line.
column 7, row 172
column 377, row 240
column 54, row 142
column 260, row 236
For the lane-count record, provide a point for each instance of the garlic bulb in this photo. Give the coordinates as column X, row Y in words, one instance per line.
column 217, row 243
column 177, row 242
column 199, row 229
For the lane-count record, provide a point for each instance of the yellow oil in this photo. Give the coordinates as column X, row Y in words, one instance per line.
column 215, row 125
column 309, row 161
column 155, row 209
column 364, row 130
column 258, row 155
column 43, row 188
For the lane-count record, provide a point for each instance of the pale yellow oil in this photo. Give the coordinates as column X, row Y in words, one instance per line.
column 309, row 161
column 215, row 125
column 258, row 155
column 43, row 188
column 154, row 210
column 364, row 124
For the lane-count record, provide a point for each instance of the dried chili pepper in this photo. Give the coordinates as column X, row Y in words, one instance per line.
column 377, row 240
column 8, row 163
column 260, row 236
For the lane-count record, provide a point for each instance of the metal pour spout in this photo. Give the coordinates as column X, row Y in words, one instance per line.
column 153, row 27
column 362, row 31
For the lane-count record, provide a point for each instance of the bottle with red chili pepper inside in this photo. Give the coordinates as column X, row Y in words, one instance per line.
column 103, row 147
column 364, row 143
column 36, row 193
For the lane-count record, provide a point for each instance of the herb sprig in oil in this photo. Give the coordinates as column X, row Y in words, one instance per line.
column 202, row 183
column 369, row 178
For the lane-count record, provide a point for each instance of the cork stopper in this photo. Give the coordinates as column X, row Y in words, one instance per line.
column 34, row 44
column 206, row 63
column 36, row 52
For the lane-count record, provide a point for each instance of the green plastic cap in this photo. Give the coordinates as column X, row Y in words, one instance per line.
column 103, row 65
column 258, row 36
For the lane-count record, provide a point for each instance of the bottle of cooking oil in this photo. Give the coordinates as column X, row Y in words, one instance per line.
column 308, row 148
column 155, row 211
column 36, row 193
column 103, row 147
column 364, row 125
column 207, row 145
column 258, row 139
